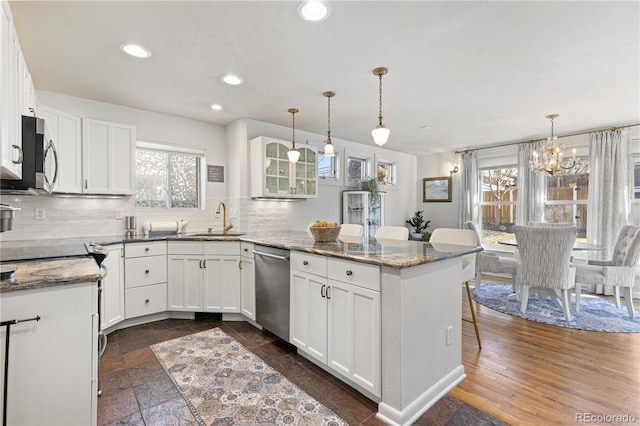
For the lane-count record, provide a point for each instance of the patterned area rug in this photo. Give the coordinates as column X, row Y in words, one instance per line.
column 223, row 383
column 596, row 313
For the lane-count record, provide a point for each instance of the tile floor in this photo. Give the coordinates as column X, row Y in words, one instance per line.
column 137, row 391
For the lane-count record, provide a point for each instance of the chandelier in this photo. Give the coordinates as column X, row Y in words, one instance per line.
column 552, row 159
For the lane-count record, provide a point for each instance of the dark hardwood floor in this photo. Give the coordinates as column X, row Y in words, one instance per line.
column 526, row 374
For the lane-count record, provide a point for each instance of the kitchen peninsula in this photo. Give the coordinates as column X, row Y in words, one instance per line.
column 419, row 320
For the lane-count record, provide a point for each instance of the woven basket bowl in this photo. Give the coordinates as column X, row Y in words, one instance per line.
column 325, row 235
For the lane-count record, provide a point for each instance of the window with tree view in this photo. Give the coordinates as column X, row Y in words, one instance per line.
column 498, row 203
column 166, row 179
column 566, row 199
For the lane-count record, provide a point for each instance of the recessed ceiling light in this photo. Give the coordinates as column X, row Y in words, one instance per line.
column 135, row 50
column 424, row 127
column 232, row 79
column 314, row 10
column 216, row 107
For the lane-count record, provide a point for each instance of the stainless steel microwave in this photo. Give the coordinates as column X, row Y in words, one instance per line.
column 36, row 150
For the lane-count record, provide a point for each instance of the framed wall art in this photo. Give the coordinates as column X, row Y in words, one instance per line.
column 436, row 190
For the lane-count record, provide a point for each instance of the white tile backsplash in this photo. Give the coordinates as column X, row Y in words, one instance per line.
column 71, row 217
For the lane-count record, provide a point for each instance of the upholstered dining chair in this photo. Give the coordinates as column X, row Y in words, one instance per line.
column 619, row 271
column 351, row 230
column 392, row 233
column 545, row 262
column 462, row 237
column 491, row 262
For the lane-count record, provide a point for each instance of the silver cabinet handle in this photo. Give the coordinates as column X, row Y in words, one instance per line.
column 20, row 154
column 240, row 264
column 322, row 290
column 327, row 292
column 200, row 264
column 349, row 273
column 204, row 263
column 147, row 301
column 146, row 249
column 146, row 271
column 86, row 184
column 305, row 263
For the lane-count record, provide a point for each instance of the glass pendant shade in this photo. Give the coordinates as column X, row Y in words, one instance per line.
column 380, row 135
column 293, row 155
column 328, row 150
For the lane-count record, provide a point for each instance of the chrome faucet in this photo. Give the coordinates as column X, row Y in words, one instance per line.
column 226, row 227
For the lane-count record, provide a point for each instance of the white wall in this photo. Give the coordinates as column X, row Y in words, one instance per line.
column 441, row 215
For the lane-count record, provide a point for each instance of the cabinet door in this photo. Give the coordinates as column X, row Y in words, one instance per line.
column 305, row 174
column 108, row 163
column 10, row 117
column 222, row 284
column 58, row 351
column 113, row 288
column 277, row 170
column 66, row 132
column 308, row 315
column 248, row 287
column 354, row 334
column 185, row 283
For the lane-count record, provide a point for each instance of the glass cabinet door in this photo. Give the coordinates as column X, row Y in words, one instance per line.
column 277, row 177
column 306, row 173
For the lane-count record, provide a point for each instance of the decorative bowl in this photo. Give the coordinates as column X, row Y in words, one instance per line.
column 325, row 234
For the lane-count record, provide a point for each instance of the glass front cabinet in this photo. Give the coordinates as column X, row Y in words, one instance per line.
column 357, row 208
column 274, row 176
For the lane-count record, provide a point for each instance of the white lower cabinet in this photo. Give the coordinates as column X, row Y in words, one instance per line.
column 113, row 287
column 247, row 281
column 204, row 276
column 336, row 320
column 145, row 278
column 53, row 363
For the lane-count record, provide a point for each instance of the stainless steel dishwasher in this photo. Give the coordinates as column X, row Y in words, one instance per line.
column 272, row 289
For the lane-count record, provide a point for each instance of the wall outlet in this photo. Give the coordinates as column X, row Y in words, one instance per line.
column 449, row 335
column 119, row 214
column 40, row 214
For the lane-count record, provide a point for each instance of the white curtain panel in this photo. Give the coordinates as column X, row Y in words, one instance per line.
column 608, row 203
column 469, row 188
column 531, row 187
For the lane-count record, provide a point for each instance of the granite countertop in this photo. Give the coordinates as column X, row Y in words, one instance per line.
column 41, row 273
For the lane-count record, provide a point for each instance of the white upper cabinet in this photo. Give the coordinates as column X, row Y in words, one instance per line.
column 10, row 109
column 66, row 132
column 108, row 157
column 274, row 176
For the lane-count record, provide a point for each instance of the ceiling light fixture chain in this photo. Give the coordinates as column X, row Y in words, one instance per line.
column 380, row 133
column 293, row 153
column 328, row 148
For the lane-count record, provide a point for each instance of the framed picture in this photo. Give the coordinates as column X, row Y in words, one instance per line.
column 436, row 190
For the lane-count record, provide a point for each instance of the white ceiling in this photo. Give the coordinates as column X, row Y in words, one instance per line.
column 477, row 72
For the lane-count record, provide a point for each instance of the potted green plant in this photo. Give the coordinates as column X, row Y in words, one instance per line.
column 372, row 185
column 419, row 226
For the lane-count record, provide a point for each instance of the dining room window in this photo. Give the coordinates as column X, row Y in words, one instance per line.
column 498, row 203
column 635, row 196
column 566, row 199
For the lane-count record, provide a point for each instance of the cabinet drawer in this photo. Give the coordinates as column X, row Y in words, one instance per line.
column 145, row 300
column 231, row 248
column 140, row 271
column 246, row 249
column 360, row 274
column 184, row 247
column 145, row 249
column 311, row 263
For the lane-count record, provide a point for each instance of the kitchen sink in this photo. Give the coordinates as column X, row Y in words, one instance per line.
column 216, row 234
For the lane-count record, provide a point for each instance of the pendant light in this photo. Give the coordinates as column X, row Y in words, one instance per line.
column 380, row 133
column 328, row 148
column 293, row 153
